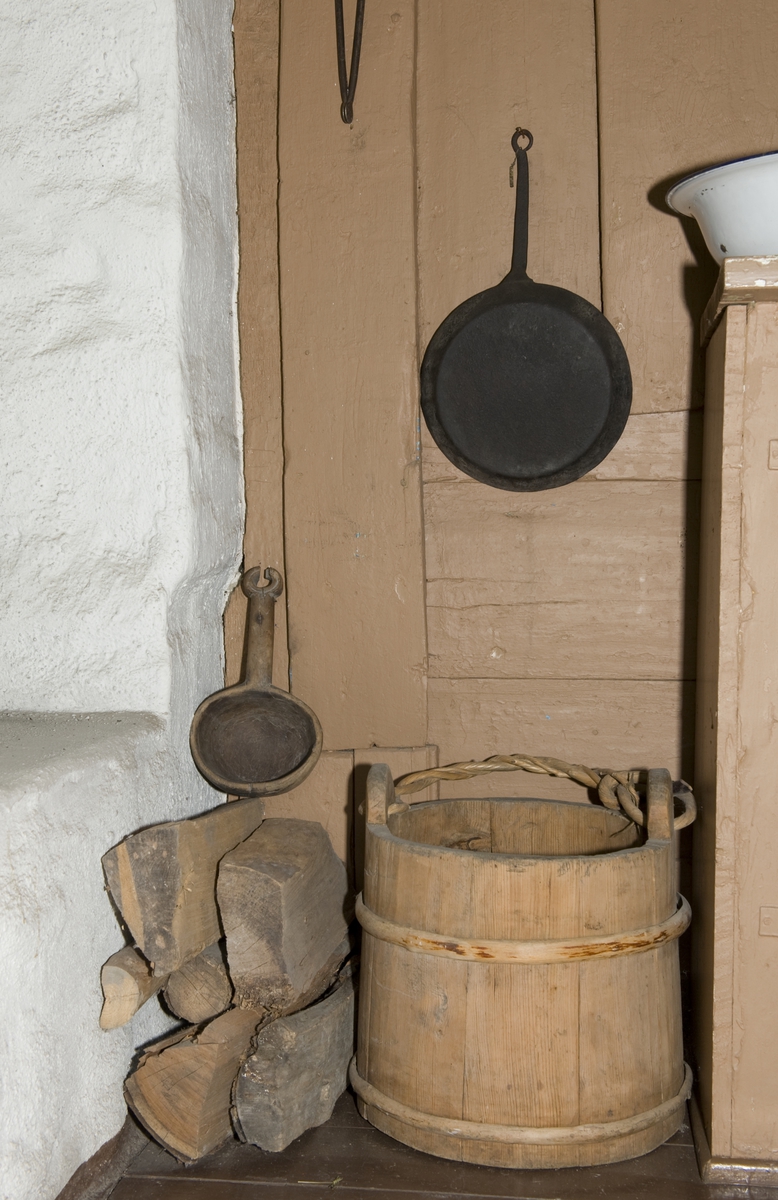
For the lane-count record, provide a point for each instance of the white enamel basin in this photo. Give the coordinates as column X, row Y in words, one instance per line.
column 735, row 205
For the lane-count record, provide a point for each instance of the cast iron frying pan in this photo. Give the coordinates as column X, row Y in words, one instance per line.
column 525, row 386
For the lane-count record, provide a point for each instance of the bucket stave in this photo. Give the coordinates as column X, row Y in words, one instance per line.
column 520, row 998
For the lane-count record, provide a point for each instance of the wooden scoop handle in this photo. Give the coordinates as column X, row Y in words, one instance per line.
column 262, row 600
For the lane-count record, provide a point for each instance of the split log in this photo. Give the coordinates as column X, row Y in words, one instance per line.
column 201, row 989
column 180, row 1091
column 163, row 881
column 283, row 899
column 297, row 1070
column 127, row 984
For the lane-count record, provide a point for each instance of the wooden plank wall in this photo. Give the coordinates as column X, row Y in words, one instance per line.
column 256, row 26
column 556, row 619
column 454, row 614
column 348, row 316
column 563, row 622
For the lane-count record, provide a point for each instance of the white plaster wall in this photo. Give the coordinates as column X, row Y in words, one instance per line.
column 117, row 202
column 73, row 787
column 120, row 512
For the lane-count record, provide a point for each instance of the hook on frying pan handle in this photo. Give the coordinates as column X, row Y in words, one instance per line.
column 515, row 140
column 251, row 586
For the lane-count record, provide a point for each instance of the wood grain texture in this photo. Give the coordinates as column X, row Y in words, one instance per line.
column 618, row 723
column 347, row 219
column 736, row 756
column 585, row 581
column 482, row 71
column 611, row 1062
column 595, row 581
column 348, row 283
column 535, row 953
column 453, row 893
column 326, row 796
column 716, row 765
column 511, row 1044
column 297, row 1069
column 754, row 1106
column 127, row 983
column 503, row 827
column 433, row 1032
column 740, row 281
column 661, row 445
column 683, row 84
column 537, row 1083
column 401, row 760
column 334, row 794
column 162, row 880
column 180, row 1090
column 256, row 26
column 347, row 1148
column 283, row 901
column 201, row 988
column 494, row 1154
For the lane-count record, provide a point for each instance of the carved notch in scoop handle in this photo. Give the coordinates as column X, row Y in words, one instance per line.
column 261, row 624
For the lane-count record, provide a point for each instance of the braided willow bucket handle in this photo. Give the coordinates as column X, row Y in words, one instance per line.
column 617, row 790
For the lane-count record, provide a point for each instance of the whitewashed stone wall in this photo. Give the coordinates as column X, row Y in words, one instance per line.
column 120, row 510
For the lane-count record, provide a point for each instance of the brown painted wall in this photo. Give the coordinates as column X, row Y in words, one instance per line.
column 438, row 610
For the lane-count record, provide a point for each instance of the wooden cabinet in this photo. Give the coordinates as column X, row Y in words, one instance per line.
column 736, row 836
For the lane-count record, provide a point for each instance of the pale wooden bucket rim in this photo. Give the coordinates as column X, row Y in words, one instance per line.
column 402, row 807
column 548, row 1135
column 428, row 848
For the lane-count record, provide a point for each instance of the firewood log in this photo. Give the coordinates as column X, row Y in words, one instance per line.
column 296, row 1071
column 127, row 984
column 162, row 880
column 201, row 989
column 180, row 1090
column 283, row 899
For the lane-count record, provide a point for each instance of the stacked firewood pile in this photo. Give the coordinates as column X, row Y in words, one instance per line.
column 243, row 925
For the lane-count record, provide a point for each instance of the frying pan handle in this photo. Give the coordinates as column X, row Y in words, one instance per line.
column 262, row 602
column 521, row 218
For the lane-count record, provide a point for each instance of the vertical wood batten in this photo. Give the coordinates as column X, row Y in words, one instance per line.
column 256, row 24
column 348, row 295
column 754, row 1045
column 755, row 834
column 716, row 748
column 737, row 759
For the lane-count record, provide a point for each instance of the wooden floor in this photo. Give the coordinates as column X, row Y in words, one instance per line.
column 347, row 1155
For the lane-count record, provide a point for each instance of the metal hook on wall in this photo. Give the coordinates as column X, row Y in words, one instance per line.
column 348, row 82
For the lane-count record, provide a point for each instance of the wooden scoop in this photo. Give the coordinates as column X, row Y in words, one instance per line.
column 254, row 739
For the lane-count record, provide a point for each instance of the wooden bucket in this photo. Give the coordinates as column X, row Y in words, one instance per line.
column 520, row 998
